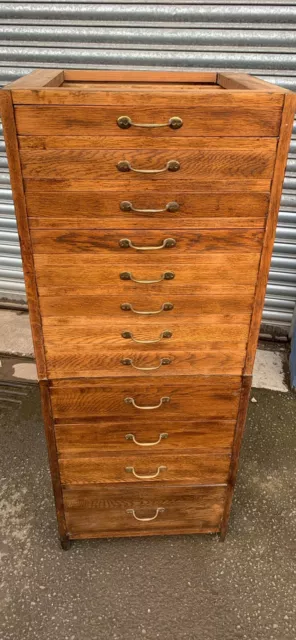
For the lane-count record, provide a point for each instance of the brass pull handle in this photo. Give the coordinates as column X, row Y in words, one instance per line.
column 150, row 477
column 127, row 275
column 158, row 510
column 163, row 361
column 125, row 205
column 171, row 165
column 125, row 122
column 125, row 243
column 129, row 335
column 149, row 407
column 166, row 306
column 130, row 436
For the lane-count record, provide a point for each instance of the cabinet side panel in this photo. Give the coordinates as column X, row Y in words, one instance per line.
column 7, row 116
column 240, row 425
column 53, row 457
column 275, row 197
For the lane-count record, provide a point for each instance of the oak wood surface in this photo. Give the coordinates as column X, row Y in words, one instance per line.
column 187, row 243
column 215, row 397
column 184, row 468
column 78, row 273
column 221, row 305
column 240, row 116
column 101, row 511
column 215, row 436
column 244, row 81
column 102, row 164
column 7, row 117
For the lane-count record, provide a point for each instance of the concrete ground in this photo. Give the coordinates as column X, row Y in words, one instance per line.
column 172, row 588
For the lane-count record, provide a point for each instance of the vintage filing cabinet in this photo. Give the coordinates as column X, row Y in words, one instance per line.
column 147, row 206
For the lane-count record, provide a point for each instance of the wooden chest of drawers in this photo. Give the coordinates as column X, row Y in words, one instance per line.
column 147, row 206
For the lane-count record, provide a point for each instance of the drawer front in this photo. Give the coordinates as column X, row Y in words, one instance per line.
column 140, row 166
column 198, row 397
column 62, row 209
column 60, row 310
column 80, row 274
column 142, row 468
column 90, row 437
column 101, row 511
column 146, row 244
column 85, row 347
column 246, row 116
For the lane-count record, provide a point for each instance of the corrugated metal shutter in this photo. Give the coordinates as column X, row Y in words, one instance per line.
column 254, row 36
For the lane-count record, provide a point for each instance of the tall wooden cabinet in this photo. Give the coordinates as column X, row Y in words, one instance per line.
column 147, row 206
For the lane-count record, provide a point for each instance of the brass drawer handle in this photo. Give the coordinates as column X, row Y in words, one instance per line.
column 162, row 362
column 166, row 306
column 125, row 122
column 149, row 407
column 125, row 243
column 158, row 510
column 171, row 165
column 129, row 335
column 153, row 475
column 125, row 205
column 130, row 436
column 127, row 275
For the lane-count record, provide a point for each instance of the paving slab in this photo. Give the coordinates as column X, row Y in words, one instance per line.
column 171, row 588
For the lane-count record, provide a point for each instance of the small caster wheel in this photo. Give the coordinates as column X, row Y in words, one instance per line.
column 65, row 544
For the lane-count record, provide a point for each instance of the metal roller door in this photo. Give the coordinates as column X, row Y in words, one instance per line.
column 255, row 36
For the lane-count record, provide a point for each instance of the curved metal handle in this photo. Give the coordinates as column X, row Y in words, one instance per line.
column 150, row 477
column 125, row 243
column 171, row 165
column 166, row 306
column 127, row 275
column 125, row 122
column 129, row 335
column 125, row 205
column 130, row 436
column 158, row 510
column 149, row 407
column 163, row 361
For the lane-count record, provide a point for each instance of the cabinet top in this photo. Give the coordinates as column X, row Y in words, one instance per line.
column 54, row 86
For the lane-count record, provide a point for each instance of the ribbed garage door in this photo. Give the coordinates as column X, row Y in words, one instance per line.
column 257, row 37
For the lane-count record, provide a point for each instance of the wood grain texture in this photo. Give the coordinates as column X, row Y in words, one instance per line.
column 100, row 165
column 79, row 273
column 187, row 243
column 197, row 397
column 207, row 185
column 53, row 457
column 184, row 468
column 35, row 143
column 102, row 511
column 241, row 421
column 245, row 81
column 209, row 436
column 11, row 144
column 58, row 310
column 276, row 192
column 263, row 102
column 240, row 116
column 62, row 209
column 36, row 80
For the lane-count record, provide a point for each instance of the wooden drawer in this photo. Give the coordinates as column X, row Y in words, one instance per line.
column 174, row 243
column 137, row 165
column 81, row 274
column 59, row 310
column 183, row 468
column 216, row 115
column 198, row 397
column 52, row 205
column 124, row 511
column 86, row 347
column 102, row 436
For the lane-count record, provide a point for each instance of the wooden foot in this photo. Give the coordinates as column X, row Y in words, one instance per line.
column 66, row 543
